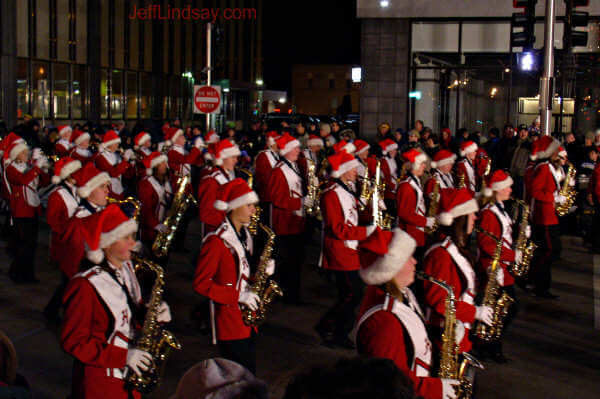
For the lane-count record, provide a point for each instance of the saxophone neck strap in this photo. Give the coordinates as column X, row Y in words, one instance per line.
column 135, row 308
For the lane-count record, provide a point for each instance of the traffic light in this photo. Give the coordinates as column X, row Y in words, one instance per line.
column 576, row 19
column 526, row 21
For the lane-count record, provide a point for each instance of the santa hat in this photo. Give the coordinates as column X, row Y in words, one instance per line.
column 234, row 194
column 64, row 167
column 388, row 145
column 414, row 157
column 467, row 147
column 111, row 137
column 443, row 157
column 544, row 147
column 314, row 140
column 8, row 141
column 341, row 163
column 361, row 146
column 211, row 137
column 65, row 131
column 104, row 228
column 455, row 203
column 172, row 134
column 383, row 254
column 153, row 160
column 16, row 148
column 211, row 150
column 225, row 149
column 140, row 139
column 562, row 152
column 272, row 136
column 88, row 179
column 344, row 145
column 286, row 143
column 496, row 182
column 79, row 136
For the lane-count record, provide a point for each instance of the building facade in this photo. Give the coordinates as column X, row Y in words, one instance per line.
column 104, row 60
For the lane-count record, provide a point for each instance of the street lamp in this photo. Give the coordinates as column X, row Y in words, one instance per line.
column 282, row 100
column 259, row 82
column 384, row 3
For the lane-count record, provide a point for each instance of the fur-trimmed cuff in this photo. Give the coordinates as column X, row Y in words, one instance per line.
column 400, row 249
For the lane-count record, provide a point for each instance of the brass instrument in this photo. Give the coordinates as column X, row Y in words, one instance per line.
column 499, row 302
column 181, row 201
column 255, row 218
column 379, row 218
column 365, row 191
column 433, row 207
column 461, row 181
column 152, row 338
column 129, row 200
column 265, row 288
column 567, row 191
column 449, row 357
column 312, row 190
column 527, row 247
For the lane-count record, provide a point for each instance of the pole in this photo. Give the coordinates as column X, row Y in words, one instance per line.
column 208, row 65
column 547, row 81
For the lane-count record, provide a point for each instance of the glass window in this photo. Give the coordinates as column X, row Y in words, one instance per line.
column 62, row 27
column 61, row 91
column 81, row 31
column 22, row 31
column 79, row 92
column 146, row 95
column 175, row 96
column 104, row 27
column 120, row 33
column 134, row 41
column 104, row 86
column 42, row 27
column 40, row 89
column 116, row 108
column 22, row 88
column 432, row 37
column 486, row 37
column 132, row 93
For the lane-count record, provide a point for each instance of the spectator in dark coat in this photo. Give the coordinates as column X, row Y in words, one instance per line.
column 518, row 154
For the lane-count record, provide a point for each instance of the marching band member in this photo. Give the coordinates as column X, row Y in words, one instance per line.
column 410, row 200
column 62, row 204
column 142, row 143
column 179, row 158
column 390, row 323
column 344, row 145
column 103, row 306
column 389, row 170
column 223, row 271
column 464, row 167
column 263, row 166
column 361, row 154
column 81, row 144
column 226, row 157
column 442, row 164
column 451, row 262
column 5, row 146
column 63, row 145
column 155, row 194
column 288, row 216
column 545, row 193
column 23, row 180
column 339, row 207
column 111, row 162
column 210, row 140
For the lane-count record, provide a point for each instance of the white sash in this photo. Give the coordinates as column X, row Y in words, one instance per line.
column 350, row 211
column 70, row 201
column 116, row 186
column 294, row 183
column 161, row 192
column 30, row 190
column 185, row 168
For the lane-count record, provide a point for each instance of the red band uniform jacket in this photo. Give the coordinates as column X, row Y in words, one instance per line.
column 155, row 198
column 286, row 192
column 545, row 184
column 62, row 204
column 389, row 172
column 410, row 206
column 62, row 148
column 263, row 167
column 23, row 183
column 82, row 155
column 222, row 272
column 495, row 221
column 465, row 167
column 444, row 181
column 207, row 195
column 116, row 167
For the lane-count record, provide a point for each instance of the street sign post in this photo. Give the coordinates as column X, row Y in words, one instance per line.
column 207, row 99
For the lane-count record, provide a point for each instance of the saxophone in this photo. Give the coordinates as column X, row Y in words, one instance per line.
column 379, row 218
column 433, row 206
column 181, row 201
column 365, row 191
column 567, row 191
column 255, row 218
column 265, row 288
column 450, row 367
column 500, row 303
column 152, row 338
column 312, row 190
column 526, row 247
column 461, row 181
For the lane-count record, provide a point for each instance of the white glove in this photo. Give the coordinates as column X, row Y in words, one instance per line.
column 138, row 360
column 459, row 331
column 484, row 314
column 37, row 153
column 560, row 199
column 518, row 256
column 129, row 154
column 499, row 275
column 382, row 204
column 448, row 385
column 161, row 228
column 270, row 269
column 250, row 299
column 370, row 229
column 572, row 183
column 430, row 222
column 308, row 202
column 164, row 313
column 199, row 143
column 41, row 162
column 528, row 231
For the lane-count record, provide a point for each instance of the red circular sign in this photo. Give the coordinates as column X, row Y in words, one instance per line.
column 207, row 99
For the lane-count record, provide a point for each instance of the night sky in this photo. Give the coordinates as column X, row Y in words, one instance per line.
column 307, row 32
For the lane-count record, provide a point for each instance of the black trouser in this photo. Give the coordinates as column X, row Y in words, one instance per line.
column 547, row 239
column 22, row 268
column 340, row 318
column 53, row 306
column 290, row 256
column 242, row 351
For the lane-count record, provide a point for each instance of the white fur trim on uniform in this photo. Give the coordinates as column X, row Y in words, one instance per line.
column 445, row 161
column 547, row 152
column 289, row 147
column 16, row 150
column 85, row 190
column 471, row 148
column 345, row 167
column 66, row 171
column 318, row 142
column 401, row 248
column 110, row 142
column 446, row 218
column 248, row 198
column 227, row 153
column 82, row 138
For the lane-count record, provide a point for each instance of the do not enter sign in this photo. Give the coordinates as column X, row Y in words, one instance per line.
column 207, row 99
